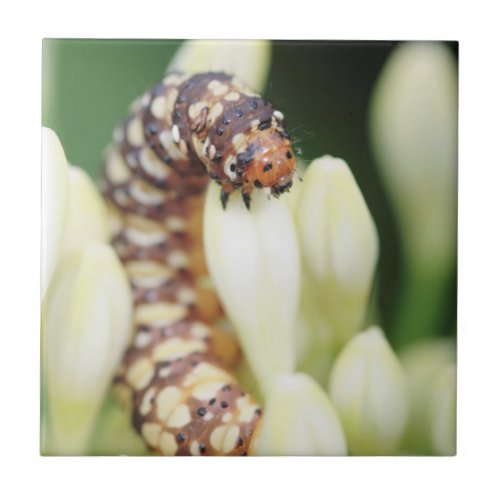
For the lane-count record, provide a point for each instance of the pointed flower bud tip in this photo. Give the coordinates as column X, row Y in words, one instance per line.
column 368, row 388
column 299, row 420
column 248, row 60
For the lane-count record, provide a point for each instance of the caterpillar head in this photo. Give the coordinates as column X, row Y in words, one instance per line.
column 267, row 161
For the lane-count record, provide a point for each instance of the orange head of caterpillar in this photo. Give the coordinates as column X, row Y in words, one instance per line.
column 266, row 160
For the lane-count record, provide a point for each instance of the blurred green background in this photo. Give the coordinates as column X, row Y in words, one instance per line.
column 323, row 88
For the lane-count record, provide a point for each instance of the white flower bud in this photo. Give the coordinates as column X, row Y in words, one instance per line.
column 368, row 388
column 249, row 60
column 86, row 325
column 299, row 420
column 339, row 245
column 87, row 216
column 54, row 203
column 254, row 261
column 414, row 130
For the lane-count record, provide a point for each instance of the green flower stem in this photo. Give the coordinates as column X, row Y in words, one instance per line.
column 422, row 304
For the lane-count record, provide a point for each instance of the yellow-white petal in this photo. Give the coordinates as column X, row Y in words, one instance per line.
column 339, row 245
column 86, row 324
column 299, row 420
column 422, row 362
column 368, row 388
column 414, row 132
column 253, row 258
column 54, row 203
column 249, row 60
column 87, row 219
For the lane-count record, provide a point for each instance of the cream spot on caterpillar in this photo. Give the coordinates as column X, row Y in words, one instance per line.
column 224, row 437
column 144, row 239
column 227, row 417
column 168, row 445
column 180, row 417
column 166, row 400
column 176, row 135
column 178, row 259
column 194, row 448
column 213, row 84
column 159, row 107
column 199, row 330
column 220, row 89
column 230, row 439
column 135, row 134
column 146, row 404
column 246, row 409
column 215, row 111
column 145, row 193
column 142, row 339
column 175, row 223
column 172, row 95
column 232, row 96
column 115, row 220
column 152, row 165
column 211, row 152
column 140, row 373
column 148, row 274
column 175, row 347
column 151, row 433
column 206, row 390
column 204, row 371
column 160, row 314
column 237, row 139
column 217, row 436
column 116, row 169
column 186, row 296
column 164, row 372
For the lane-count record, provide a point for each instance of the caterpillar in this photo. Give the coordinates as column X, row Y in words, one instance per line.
column 175, row 377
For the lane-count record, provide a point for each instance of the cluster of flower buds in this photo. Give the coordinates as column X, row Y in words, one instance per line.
column 294, row 276
column 86, row 303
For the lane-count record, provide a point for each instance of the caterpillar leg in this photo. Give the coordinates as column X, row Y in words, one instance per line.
column 246, row 198
column 224, row 197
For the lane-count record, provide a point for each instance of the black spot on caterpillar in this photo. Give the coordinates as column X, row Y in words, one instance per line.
column 175, row 374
